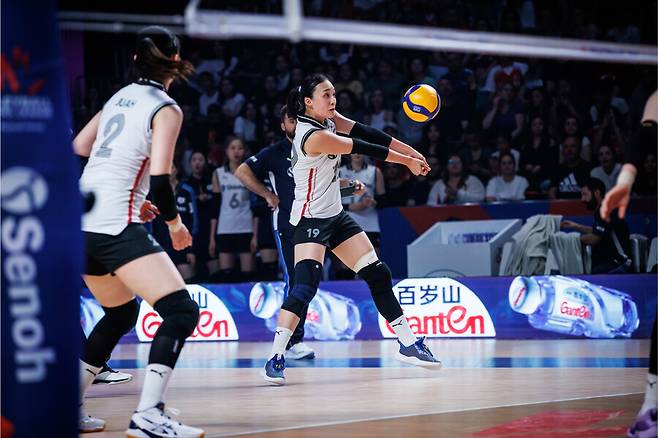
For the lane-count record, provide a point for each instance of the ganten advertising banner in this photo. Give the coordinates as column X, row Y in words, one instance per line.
column 596, row 306
column 41, row 238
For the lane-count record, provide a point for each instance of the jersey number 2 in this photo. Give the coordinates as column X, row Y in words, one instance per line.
column 112, row 130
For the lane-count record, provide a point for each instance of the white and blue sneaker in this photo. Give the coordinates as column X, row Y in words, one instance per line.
column 300, row 351
column 418, row 354
column 274, row 368
column 154, row 423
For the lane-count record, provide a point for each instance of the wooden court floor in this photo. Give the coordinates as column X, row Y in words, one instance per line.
column 487, row 388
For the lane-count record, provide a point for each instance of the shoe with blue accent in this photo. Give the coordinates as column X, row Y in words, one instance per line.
column 418, row 354
column 645, row 425
column 274, row 368
column 154, row 423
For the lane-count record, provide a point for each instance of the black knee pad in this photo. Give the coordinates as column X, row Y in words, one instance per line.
column 308, row 274
column 380, row 281
column 180, row 314
column 124, row 317
column 378, row 276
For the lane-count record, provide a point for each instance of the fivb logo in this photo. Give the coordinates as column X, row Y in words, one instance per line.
column 23, row 191
column 215, row 320
column 440, row 307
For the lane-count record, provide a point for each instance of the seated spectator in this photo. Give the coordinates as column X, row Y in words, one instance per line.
column 454, row 116
column 378, row 116
column 391, row 83
column 507, row 186
column 397, row 184
column 475, row 156
column 502, row 73
column 505, row 116
column 431, row 142
column 571, row 175
column 645, row 183
column 282, row 74
column 456, row 186
column 348, row 105
column 609, row 240
column 347, row 81
column 246, row 125
column 571, row 127
column 210, row 94
column 418, row 72
column 232, row 101
column 539, row 157
column 420, row 186
column 504, row 146
column 219, row 64
column 537, row 105
column 608, row 168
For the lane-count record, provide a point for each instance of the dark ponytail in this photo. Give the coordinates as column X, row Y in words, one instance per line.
column 153, row 51
column 295, row 102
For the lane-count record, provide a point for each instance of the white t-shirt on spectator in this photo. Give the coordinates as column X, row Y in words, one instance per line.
column 490, row 83
column 507, row 191
column 608, row 179
column 205, row 101
column 245, row 129
column 234, row 104
column 217, row 67
column 471, row 191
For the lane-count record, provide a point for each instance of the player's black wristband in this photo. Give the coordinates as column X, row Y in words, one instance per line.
column 370, row 134
column 369, row 149
column 163, row 196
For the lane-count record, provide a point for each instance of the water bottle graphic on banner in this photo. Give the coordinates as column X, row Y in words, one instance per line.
column 574, row 306
column 330, row 316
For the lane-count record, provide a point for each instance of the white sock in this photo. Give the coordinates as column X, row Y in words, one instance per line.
column 401, row 328
column 281, row 337
column 87, row 375
column 649, row 394
column 156, row 378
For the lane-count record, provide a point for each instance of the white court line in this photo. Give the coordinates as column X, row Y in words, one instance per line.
column 393, row 417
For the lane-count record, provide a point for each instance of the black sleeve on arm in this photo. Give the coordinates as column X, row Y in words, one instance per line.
column 371, row 149
column 370, row 134
column 163, row 196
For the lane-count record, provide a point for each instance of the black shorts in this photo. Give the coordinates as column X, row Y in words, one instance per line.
column 232, row 243
column 266, row 234
column 375, row 238
column 329, row 232
column 106, row 253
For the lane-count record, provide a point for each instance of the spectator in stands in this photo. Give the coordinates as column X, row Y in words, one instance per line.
column 418, row 72
column 503, row 72
column 347, row 81
column 232, row 101
column 454, row 115
column 608, row 168
column 571, row 175
column 391, row 84
column 505, row 116
column 645, row 184
column 270, row 95
column 348, row 105
column 420, row 186
column 537, row 105
column 456, row 186
column 210, row 94
column 475, row 156
column 397, row 185
column 378, row 116
column 220, row 63
column 282, row 74
column 503, row 146
column 539, row 157
column 571, row 127
column 507, row 186
column 609, row 240
column 431, row 143
column 460, row 77
column 246, row 125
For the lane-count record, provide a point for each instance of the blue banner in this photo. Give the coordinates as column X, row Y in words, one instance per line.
column 595, row 306
column 41, row 238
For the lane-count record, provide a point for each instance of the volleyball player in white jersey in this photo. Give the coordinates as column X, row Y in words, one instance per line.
column 130, row 145
column 320, row 221
column 362, row 208
column 232, row 229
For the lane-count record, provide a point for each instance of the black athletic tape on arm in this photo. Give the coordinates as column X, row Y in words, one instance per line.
column 163, row 196
column 370, row 149
column 370, row 134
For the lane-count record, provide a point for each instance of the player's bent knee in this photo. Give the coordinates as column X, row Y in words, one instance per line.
column 180, row 314
column 378, row 276
column 308, row 273
column 124, row 317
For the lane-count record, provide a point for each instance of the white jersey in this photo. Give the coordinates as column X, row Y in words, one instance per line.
column 235, row 212
column 317, row 190
column 118, row 168
column 366, row 218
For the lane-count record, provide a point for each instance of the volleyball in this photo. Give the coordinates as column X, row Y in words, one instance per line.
column 421, row 103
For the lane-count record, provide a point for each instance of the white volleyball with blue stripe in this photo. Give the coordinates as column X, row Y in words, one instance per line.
column 421, row 103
